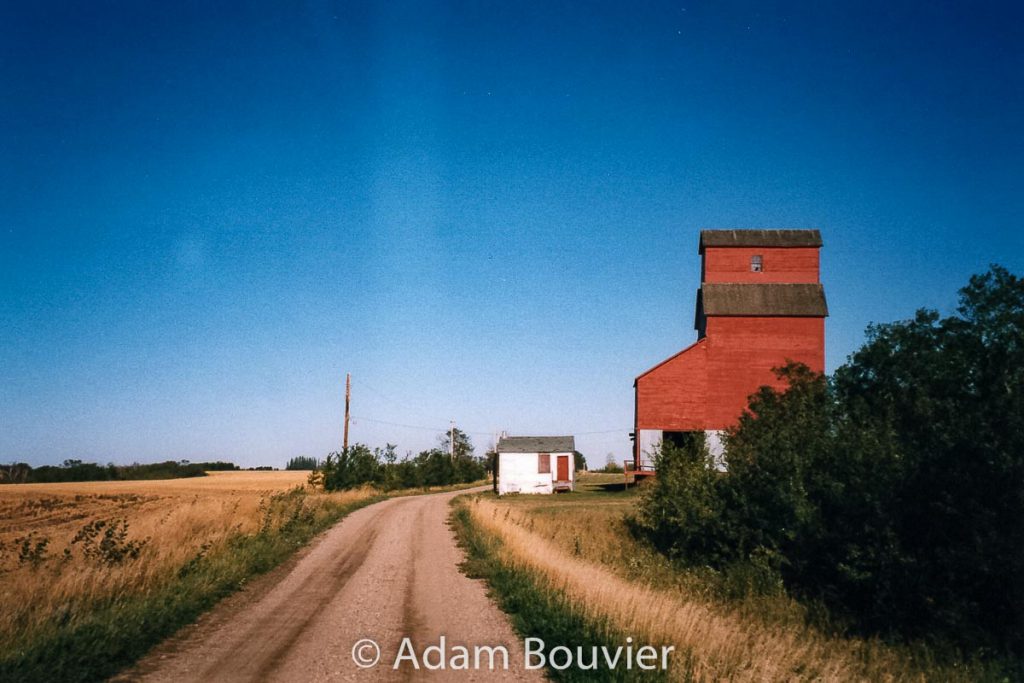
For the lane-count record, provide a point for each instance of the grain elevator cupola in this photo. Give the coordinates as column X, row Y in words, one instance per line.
column 760, row 304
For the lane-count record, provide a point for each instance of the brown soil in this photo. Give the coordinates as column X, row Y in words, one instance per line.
column 386, row 572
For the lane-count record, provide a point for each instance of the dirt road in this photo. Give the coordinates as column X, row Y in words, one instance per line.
column 386, row 572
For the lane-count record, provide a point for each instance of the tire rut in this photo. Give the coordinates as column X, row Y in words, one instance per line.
column 261, row 656
column 386, row 572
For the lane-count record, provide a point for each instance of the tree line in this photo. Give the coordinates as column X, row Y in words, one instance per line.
column 359, row 465
column 77, row 470
column 302, row 462
column 891, row 492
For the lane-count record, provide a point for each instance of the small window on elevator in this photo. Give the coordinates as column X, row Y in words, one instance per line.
column 756, row 263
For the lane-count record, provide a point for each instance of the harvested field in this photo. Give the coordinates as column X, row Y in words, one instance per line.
column 70, row 549
column 57, row 508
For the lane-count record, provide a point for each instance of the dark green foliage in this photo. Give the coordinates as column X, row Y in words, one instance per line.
column 350, row 468
column 302, row 462
column 491, row 468
column 538, row 612
column 380, row 467
column 436, row 467
column 945, row 398
column 76, row 470
column 217, row 466
column 893, row 494
column 15, row 473
column 579, row 462
column 683, row 497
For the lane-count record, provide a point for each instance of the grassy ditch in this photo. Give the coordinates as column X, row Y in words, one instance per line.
column 536, row 609
column 577, row 554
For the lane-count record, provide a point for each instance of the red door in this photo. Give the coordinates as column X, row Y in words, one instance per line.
column 563, row 468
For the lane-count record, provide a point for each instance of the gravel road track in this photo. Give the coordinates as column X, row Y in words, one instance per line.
column 385, row 572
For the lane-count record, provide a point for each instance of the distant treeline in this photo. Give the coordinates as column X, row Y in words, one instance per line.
column 302, row 462
column 76, row 470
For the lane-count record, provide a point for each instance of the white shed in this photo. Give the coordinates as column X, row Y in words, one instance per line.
column 536, row 464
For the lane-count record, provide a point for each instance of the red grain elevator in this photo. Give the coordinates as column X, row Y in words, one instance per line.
column 759, row 305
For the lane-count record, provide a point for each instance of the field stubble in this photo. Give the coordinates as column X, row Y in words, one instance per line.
column 66, row 549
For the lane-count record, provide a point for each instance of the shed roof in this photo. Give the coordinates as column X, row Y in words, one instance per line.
column 795, row 300
column 759, row 238
column 536, row 444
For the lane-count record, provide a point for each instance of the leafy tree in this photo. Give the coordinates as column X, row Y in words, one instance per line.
column 359, row 466
column 490, row 463
column 463, row 444
column 437, row 467
column 579, row 462
column 350, row 468
column 681, row 511
column 946, row 396
column 469, row 469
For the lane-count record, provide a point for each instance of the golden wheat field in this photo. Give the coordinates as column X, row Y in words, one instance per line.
column 66, row 546
column 579, row 547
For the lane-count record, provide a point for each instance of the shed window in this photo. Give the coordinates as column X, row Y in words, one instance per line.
column 756, row 263
column 543, row 463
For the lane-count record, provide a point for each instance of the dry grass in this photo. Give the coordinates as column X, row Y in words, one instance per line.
column 577, row 546
column 177, row 520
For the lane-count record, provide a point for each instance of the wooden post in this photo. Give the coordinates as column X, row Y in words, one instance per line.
column 348, row 399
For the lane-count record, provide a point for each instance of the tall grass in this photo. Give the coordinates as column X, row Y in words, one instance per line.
column 717, row 643
column 80, row 615
column 537, row 611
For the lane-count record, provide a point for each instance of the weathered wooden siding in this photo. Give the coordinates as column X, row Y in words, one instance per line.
column 672, row 395
column 741, row 353
column 706, row 386
column 732, row 264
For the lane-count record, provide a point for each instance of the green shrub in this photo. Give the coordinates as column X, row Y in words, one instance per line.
column 380, row 467
column 106, row 541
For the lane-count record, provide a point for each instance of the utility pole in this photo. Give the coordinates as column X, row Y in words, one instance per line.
column 451, row 440
column 348, row 399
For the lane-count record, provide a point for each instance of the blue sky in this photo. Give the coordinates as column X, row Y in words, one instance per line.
column 485, row 212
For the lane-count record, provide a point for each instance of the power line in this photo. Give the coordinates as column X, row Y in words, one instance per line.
column 490, row 433
column 399, row 424
column 409, row 406
column 400, row 404
column 438, row 430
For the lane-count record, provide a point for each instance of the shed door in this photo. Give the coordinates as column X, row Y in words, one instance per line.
column 563, row 468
